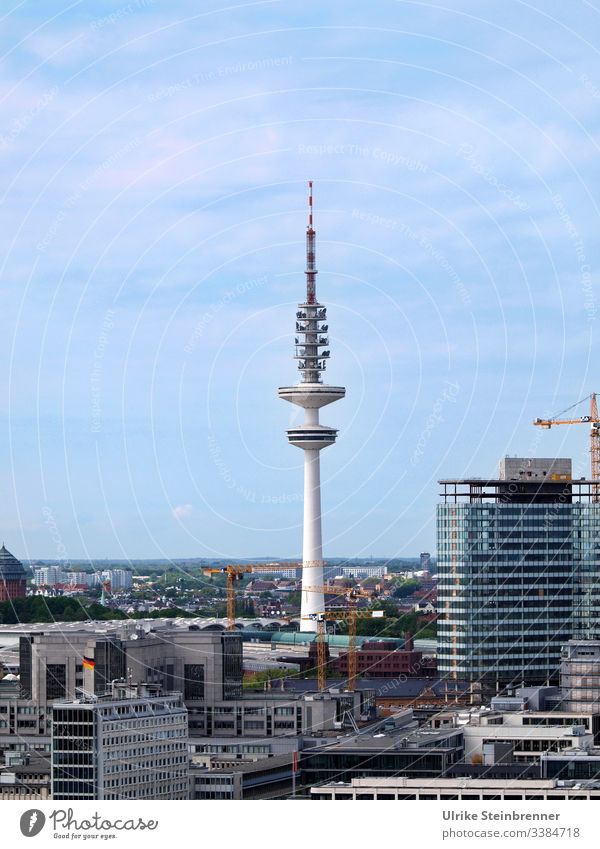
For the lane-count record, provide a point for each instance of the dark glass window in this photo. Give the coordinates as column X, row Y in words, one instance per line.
column 56, row 681
column 110, row 663
column 193, row 685
column 25, row 666
column 232, row 666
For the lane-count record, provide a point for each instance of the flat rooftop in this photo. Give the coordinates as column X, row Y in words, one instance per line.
column 375, row 739
column 518, row 491
column 471, row 783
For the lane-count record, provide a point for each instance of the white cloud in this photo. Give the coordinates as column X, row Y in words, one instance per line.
column 182, row 511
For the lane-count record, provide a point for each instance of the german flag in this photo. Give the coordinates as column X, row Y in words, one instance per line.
column 88, row 662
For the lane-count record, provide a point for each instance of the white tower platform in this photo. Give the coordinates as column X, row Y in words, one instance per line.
column 311, row 393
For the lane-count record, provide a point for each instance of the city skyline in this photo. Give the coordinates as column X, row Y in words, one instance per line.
column 154, row 171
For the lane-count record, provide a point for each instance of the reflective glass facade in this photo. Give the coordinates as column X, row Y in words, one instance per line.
column 515, row 582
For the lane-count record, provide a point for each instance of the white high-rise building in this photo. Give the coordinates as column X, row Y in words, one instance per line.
column 312, row 353
column 120, row 579
column 80, row 577
column 48, row 576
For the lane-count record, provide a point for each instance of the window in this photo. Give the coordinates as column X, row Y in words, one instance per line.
column 56, row 681
column 193, row 688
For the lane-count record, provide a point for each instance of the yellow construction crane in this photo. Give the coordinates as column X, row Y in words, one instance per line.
column 350, row 614
column 594, row 423
column 235, row 572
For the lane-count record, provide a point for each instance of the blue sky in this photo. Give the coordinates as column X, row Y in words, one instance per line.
column 154, row 162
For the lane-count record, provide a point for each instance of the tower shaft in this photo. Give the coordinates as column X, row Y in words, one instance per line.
column 312, row 542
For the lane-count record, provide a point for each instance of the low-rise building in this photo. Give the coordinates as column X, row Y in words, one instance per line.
column 580, row 675
column 380, row 659
column 527, row 734
column 25, row 777
column 447, row 789
column 222, row 777
column 402, row 749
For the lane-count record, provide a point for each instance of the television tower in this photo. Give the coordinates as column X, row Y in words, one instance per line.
column 311, row 393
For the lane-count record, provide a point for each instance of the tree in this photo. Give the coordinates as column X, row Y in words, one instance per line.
column 406, row 588
column 389, row 608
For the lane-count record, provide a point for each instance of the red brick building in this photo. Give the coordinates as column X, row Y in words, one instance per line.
column 12, row 576
column 379, row 659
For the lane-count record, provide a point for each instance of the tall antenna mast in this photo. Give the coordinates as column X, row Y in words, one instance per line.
column 311, row 271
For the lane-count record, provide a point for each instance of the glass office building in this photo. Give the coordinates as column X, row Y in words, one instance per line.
column 518, row 565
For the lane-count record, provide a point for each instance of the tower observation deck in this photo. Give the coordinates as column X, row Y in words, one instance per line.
column 312, row 354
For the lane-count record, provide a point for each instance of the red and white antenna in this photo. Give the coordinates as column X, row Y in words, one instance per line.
column 311, row 271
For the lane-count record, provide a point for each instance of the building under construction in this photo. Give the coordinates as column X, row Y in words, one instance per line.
column 518, row 571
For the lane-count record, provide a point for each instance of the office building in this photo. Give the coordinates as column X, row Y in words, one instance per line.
column 129, row 744
column 517, row 572
column 580, row 676
column 223, row 777
column 520, row 736
column 572, row 765
column 206, row 666
column 52, row 665
column 403, row 749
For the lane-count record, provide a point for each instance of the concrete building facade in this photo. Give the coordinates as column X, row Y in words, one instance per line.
column 580, row 676
column 131, row 744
